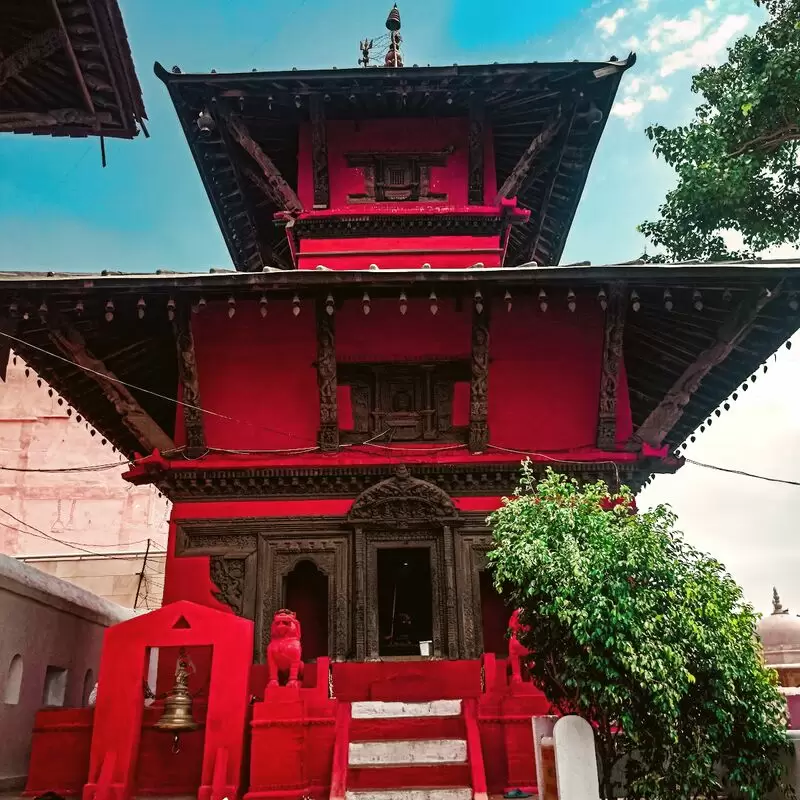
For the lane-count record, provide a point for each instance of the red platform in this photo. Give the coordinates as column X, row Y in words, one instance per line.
column 293, row 733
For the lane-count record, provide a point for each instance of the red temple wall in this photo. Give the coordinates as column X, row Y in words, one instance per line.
column 441, row 252
column 394, row 135
column 258, row 374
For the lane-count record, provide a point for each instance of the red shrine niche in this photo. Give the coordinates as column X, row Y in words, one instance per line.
column 335, row 420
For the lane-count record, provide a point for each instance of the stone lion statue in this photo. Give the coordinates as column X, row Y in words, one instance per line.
column 285, row 653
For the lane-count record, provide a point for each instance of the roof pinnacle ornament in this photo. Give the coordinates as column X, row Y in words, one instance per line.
column 777, row 608
column 393, row 57
column 366, row 46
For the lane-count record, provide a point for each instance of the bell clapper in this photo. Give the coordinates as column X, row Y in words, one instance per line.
column 176, row 743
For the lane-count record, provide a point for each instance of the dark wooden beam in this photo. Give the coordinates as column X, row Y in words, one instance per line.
column 612, row 361
column 279, row 191
column 73, row 59
column 143, row 427
column 36, row 49
column 10, row 120
column 733, row 330
column 518, row 176
column 328, row 438
column 477, row 138
column 187, row 371
column 479, row 381
column 541, row 212
column 319, row 152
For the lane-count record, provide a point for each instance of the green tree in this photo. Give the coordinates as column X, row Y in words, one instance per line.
column 737, row 161
column 642, row 635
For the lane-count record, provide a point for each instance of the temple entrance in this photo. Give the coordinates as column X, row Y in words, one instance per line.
column 306, row 593
column 405, row 600
column 495, row 612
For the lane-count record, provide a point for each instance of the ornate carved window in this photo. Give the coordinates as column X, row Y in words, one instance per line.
column 403, row 402
column 397, row 177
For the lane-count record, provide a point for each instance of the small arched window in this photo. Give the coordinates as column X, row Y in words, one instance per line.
column 13, row 686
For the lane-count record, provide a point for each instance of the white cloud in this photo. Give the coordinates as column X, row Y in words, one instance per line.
column 608, row 25
column 633, row 86
column 707, row 50
column 633, row 43
column 627, row 108
column 735, row 241
column 642, row 5
column 664, row 33
column 658, row 93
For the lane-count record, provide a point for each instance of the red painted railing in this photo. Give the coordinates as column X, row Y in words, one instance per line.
column 341, row 752
column 474, row 750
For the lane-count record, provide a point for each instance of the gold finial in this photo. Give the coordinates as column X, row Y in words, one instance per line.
column 777, row 608
column 394, row 58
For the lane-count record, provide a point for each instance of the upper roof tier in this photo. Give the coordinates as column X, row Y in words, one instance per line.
column 66, row 69
column 539, row 124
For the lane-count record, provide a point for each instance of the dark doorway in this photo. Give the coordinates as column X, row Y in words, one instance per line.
column 495, row 614
column 405, row 600
column 306, row 593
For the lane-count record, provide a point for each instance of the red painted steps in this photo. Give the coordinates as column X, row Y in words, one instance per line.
column 404, row 776
column 383, row 729
column 419, row 750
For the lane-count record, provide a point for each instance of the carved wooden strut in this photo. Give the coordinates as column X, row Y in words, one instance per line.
column 733, row 330
column 143, row 427
column 279, row 191
column 187, row 371
column 326, row 380
column 518, row 176
column 612, row 362
column 319, row 152
column 477, row 116
column 479, row 384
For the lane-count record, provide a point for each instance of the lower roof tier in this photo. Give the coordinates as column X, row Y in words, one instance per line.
column 677, row 343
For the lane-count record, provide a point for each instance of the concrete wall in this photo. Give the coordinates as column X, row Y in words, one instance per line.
column 50, row 640
column 72, row 513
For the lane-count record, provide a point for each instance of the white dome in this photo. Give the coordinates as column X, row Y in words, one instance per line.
column 780, row 635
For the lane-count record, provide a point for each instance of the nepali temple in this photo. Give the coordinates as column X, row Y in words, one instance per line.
column 334, row 420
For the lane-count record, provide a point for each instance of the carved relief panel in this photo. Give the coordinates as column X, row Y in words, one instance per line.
column 402, row 402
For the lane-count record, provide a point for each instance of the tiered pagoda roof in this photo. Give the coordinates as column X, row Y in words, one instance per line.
column 555, row 110
column 66, row 70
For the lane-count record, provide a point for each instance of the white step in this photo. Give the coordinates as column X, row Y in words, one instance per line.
column 412, row 794
column 373, row 709
column 418, row 751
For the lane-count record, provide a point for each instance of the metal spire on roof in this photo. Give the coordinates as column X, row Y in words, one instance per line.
column 394, row 57
column 777, row 608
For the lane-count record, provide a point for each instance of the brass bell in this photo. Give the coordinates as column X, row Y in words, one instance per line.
column 177, row 714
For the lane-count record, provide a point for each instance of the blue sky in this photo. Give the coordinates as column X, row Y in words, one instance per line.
column 60, row 210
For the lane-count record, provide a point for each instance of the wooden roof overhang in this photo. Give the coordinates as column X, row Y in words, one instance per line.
column 692, row 334
column 66, row 70
column 546, row 118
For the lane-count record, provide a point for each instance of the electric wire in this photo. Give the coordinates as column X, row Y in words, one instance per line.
column 742, row 473
column 369, row 443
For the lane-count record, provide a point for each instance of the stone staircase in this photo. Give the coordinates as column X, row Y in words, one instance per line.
column 411, row 751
